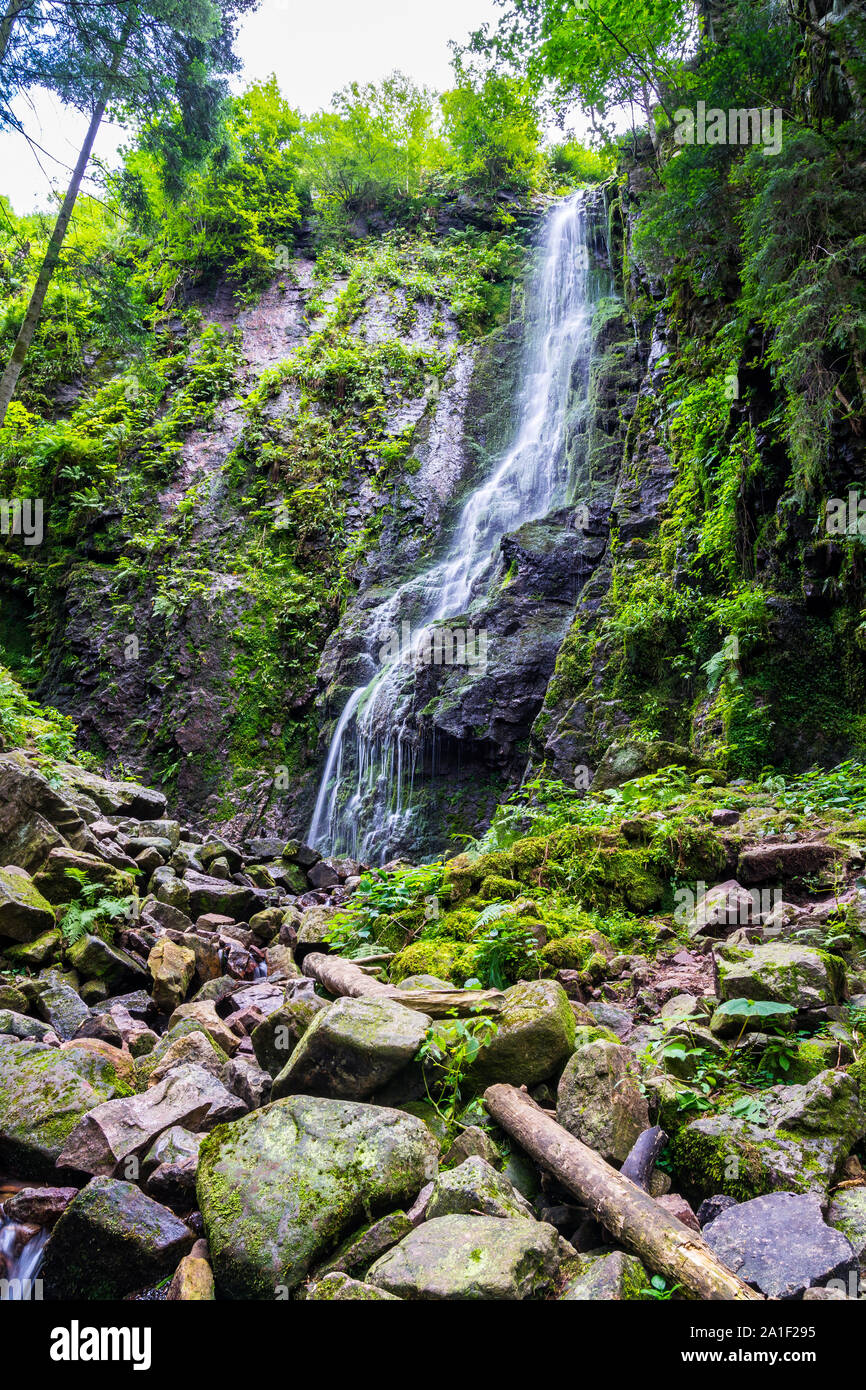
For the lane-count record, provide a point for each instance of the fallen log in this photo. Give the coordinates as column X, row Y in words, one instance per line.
column 665, row 1245
column 345, row 977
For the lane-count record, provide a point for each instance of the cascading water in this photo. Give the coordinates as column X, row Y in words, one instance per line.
column 365, row 797
column 20, row 1260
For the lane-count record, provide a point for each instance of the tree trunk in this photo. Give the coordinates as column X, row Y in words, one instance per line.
column 630, row 1214
column 344, row 977
column 13, row 10
column 28, row 328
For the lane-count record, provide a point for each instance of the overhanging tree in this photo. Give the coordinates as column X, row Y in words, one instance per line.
column 136, row 58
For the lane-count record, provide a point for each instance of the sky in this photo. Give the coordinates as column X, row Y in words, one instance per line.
column 314, row 47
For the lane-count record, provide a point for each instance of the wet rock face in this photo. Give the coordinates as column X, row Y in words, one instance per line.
column 282, row 1186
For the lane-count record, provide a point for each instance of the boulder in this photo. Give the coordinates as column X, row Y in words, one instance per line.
column 110, row 1241
column 472, row 1258
column 776, row 863
column 203, row 1013
column 847, row 1213
column 352, row 1048
column 192, row 1281
column 94, row 958
column 473, row 1187
column 340, row 1288
column 122, row 1062
column 277, row 1036
column 366, row 1245
column 782, row 972
column 44, row 950
column 58, row 1004
column 282, row 1186
column 472, row 1141
column 600, row 1102
column 113, row 1137
column 534, row 1037
column 38, row 1206
column 24, row 913
column 207, row 894
column 172, row 967
column 611, row 1277
column 43, row 1095
column 59, row 886
column 781, row 1245
column 22, row 1025
column 247, row 1080
column 190, row 1049
column 797, row 1142
column 721, row 910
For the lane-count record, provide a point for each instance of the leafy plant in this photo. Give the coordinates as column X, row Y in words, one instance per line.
column 95, row 913
column 449, row 1049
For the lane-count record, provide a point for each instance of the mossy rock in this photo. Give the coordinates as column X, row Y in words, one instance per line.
column 450, row 960
column 112, row 1240
column 44, row 1092
column 495, row 888
column 281, row 1187
column 533, row 1040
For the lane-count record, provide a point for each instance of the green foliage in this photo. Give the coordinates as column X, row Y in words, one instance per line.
column 492, row 125
column 25, row 723
column 95, row 913
column 448, row 1050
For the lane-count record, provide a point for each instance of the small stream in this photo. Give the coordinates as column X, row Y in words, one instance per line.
column 21, row 1252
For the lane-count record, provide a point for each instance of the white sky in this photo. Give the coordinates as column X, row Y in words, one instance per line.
column 314, row 47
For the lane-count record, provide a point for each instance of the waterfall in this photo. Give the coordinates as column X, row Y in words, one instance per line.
column 365, row 798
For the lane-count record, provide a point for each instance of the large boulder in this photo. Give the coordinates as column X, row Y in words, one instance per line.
column 34, row 817
column 95, row 959
column 612, row 1277
column 24, row 913
column 44, row 1092
column 534, row 1037
column 60, row 886
column 277, row 1036
column 282, row 1186
column 797, row 1142
column 471, row 1257
column 599, row 1100
column 352, row 1048
column 781, row 972
column 172, row 967
column 113, row 1138
column 59, row 1004
column 208, row 894
column 781, row 1245
column 110, row 1241
column 474, row 1187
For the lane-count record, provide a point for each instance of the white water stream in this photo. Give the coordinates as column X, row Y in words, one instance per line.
column 365, row 798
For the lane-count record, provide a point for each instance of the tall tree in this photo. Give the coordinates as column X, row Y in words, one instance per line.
column 135, row 57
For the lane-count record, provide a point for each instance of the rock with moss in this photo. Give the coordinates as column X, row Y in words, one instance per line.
column 172, row 967
column 37, row 954
column 440, row 956
column 17, row 1025
column 95, row 959
column 352, row 1049
column 475, row 1187
column 599, row 1099
column 112, row 1240
column 339, row 1288
column 847, row 1213
column 190, row 1049
column 112, row 1138
column 615, row 1276
column 533, row 1039
column 472, row 1258
column 366, row 1245
column 167, row 1046
column 283, row 1186
column 59, row 885
column 44, row 1093
column 796, row 1141
column 24, row 912
column 277, row 1036
column 58, row 1003
column 780, row 972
